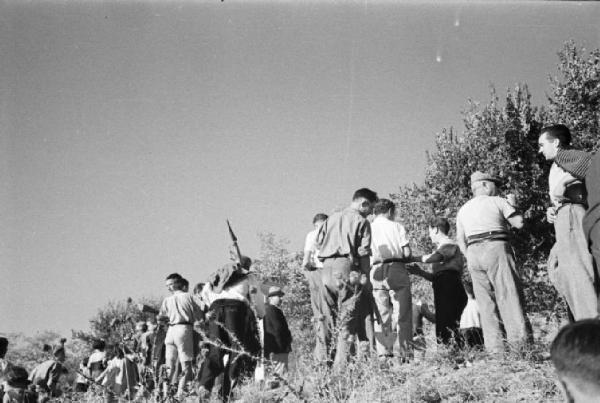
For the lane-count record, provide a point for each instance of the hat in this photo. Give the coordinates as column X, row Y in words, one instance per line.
column 484, row 176
column 17, row 377
column 275, row 290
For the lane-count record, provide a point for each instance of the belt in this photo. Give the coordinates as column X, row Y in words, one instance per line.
column 182, row 323
column 487, row 236
column 570, row 202
column 334, row 257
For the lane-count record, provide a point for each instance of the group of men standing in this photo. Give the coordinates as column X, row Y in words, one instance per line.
column 358, row 275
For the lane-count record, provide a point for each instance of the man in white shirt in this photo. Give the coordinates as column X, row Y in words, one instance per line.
column 390, row 280
column 312, row 271
column 182, row 311
column 482, row 234
column 570, row 264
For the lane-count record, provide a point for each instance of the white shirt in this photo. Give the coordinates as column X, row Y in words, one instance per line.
column 310, row 246
column 180, row 307
column 387, row 238
column 484, row 214
column 247, row 290
column 470, row 315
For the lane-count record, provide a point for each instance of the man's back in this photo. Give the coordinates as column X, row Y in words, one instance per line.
column 484, row 214
column 387, row 238
column 345, row 233
column 181, row 308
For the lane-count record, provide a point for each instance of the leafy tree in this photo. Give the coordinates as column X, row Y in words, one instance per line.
column 502, row 139
column 116, row 321
column 277, row 265
column 575, row 97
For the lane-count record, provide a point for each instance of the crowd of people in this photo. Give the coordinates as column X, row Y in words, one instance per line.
column 358, row 263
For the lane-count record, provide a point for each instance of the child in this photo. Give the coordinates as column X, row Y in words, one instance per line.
column 470, row 325
column 277, row 335
column 97, row 361
column 449, row 295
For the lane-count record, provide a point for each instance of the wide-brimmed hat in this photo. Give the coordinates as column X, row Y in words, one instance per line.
column 17, row 377
column 275, row 290
column 484, row 176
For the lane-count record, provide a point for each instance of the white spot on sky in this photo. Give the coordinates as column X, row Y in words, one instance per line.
column 438, row 58
column 457, row 22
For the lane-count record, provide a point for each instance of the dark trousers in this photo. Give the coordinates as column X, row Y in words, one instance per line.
column 227, row 318
column 450, row 299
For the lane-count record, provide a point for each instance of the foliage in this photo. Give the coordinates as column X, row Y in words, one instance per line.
column 116, row 321
column 575, row 98
column 501, row 138
column 28, row 351
column 277, row 265
column 440, row 375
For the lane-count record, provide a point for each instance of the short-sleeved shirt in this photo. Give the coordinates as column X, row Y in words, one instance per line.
column 387, row 238
column 310, row 246
column 484, row 214
column 345, row 233
column 180, row 308
column 453, row 258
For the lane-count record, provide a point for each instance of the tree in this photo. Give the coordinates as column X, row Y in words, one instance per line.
column 116, row 321
column 277, row 265
column 575, row 98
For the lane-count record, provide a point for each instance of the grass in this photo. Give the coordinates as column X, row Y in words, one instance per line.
column 441, row 375
column 438, row 375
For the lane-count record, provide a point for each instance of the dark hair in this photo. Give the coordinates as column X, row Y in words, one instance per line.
column 382, row 206
column 365, row 193
column 441, row 224
column 184, row 283
column 319, row 217
column 198, row 287
column 174, row 276
column 98, row 344
column 575, row 351
column 560, row 132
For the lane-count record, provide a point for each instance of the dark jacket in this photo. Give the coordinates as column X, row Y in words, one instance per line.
column 278, row 338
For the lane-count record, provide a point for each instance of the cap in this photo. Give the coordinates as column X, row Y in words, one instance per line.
column 275, row 290
column 484, row 176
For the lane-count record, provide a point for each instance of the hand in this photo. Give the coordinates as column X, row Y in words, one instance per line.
column 309, row 267
column 551, row 215
column 412, row 268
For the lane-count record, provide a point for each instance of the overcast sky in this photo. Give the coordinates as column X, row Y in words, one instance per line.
column 130, row 132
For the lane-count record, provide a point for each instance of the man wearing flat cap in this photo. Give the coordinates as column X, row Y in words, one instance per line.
column 482, row 226
column 278, row 338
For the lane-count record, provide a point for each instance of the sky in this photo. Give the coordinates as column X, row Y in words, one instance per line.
column 131, row 130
